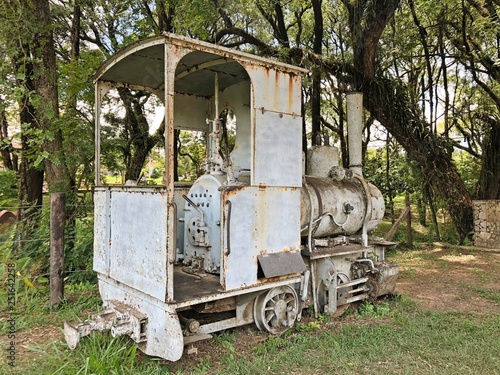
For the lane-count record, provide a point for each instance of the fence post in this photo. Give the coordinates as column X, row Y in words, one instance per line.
column 57, row 221
column 409, row 233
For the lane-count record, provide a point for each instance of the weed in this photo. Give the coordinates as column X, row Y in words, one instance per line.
column 322, row 318
column 369, row 309
column 409, row 273
column 307, row 327
column 273, row 344
column 224, row 336
column 203, row 366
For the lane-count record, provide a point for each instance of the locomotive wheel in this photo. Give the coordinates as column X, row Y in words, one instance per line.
column 276, row 310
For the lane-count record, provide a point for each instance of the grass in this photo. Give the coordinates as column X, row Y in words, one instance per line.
column 388, row 337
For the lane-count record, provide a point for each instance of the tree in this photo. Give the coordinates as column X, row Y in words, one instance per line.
column 387, row 99
column 389, row 102
column 8, row 157
column 47, row 107
column 17, row 52
column 428, row 70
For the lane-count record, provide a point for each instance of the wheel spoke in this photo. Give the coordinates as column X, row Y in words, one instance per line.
column 270, row 317
column 275, row 311
column 289, row 299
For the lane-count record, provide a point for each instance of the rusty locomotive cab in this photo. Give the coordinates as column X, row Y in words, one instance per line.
column 259, row 236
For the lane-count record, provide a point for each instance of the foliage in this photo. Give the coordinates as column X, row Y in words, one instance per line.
column 192, row 155
column 369, row 309
column 79, row 246
column 469, row 168
column 376, row 172
column 439, row 52
column 32, row 255
column 438, row 57
column 8, row 190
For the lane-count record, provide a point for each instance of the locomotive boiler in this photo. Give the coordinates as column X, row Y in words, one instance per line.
column 267, row 230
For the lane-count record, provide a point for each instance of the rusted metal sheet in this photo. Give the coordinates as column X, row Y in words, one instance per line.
column 237, row 99
column 102, row 229
column 277, row 91
column 179, row 190
column 213, row 291
column 7, row 219
column 338, row 206
column 138, row 251
column 163, row 329
column 122, row 67
column 279, row 264
column 257, row 216
column 320, row 159
column 277, row 153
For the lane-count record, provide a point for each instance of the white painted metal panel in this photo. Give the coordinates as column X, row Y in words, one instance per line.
column 277, row 156
column 139, row 239
column 163, row 329
column 101, row 230
column 263, row 221
column 240, row 266
column 275, row 90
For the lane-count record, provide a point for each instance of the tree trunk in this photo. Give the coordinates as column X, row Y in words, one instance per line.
column 30, row 176
column 139, row 141
column 316, row 81
column 390, row 192
column 8, row 157
column 430, row 200
column 47, row 110
column 390, row 105
column 489, row 179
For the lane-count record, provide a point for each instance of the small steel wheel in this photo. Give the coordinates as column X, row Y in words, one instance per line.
column 342, row 293
column 276, row 310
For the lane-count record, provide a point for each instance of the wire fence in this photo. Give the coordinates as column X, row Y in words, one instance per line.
column 42, row 216
column 26, row 239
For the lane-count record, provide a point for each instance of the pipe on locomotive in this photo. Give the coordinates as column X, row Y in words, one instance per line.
column 338, row 201
column 354, row 103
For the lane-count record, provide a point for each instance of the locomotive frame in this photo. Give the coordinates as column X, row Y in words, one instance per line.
column 255, row 239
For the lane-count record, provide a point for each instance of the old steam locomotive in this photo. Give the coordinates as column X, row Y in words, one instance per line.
column 258, row 237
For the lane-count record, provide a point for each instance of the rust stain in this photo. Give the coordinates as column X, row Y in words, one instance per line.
column 276, row 92
column 290, row 93
column 266, row 280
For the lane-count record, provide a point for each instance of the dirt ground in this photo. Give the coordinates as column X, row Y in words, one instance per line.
column 439, row 278
column 451, row 278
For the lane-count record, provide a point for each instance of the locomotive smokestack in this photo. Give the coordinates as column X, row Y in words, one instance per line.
column 354, row 103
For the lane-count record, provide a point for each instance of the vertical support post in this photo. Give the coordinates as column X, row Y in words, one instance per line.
column 172, row 56
column 97, row 114
column 409, row 233
column 101, row 88
column 57, row 221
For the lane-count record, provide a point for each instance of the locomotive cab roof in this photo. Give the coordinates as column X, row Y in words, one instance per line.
column 141, row 65
column 195, row 79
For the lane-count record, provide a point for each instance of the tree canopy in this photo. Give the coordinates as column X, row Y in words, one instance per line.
column 429, row 71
